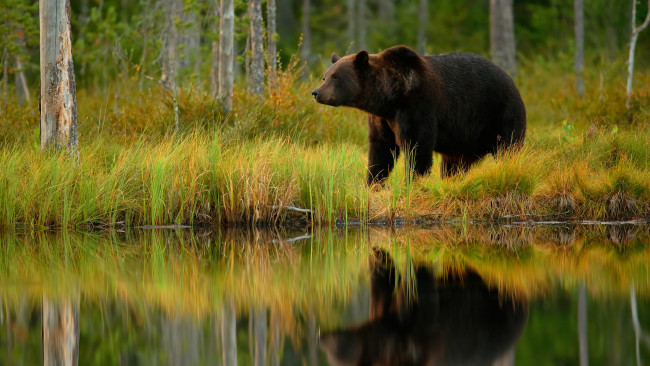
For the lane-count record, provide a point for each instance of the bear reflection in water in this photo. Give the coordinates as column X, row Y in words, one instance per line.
column 454, row 320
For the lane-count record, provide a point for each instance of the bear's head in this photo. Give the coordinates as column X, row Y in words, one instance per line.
column 369, row 81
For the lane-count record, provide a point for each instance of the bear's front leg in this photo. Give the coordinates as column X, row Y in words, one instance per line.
column 418, row 159
column 383, row 150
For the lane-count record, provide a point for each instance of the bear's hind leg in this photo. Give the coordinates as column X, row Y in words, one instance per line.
column 382, row 152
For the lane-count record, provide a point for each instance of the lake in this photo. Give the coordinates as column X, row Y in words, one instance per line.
column 561, row 294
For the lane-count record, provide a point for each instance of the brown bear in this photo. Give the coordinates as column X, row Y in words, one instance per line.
column 458, row 104
column 455, row 319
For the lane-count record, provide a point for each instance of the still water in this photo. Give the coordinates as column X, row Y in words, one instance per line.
column 447, row 295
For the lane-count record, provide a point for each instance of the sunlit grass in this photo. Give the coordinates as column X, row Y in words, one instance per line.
column 583, row 159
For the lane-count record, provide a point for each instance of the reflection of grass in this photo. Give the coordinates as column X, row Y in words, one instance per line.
column 193, row 274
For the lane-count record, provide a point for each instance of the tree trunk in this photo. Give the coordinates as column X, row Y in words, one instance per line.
column 352, row 19
column 630, row 62
column 226, row 53
column 423, row 20
column 214, row 64
column 257, row 51
column 580, row 45
column 229, row 331
column 22, row 90
column 169, row 59
column 305, row 51
column 60, row 332
column 5, row 74
column 502, row 35
column 363, row 24
column 58, row 102
column 271, row 45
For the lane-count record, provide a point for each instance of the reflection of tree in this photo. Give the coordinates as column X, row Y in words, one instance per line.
column 639, row 335
column 229, row 334
column 61, row 332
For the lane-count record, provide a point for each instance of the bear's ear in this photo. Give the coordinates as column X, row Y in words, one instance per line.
column 361, row 59
column 335, row 57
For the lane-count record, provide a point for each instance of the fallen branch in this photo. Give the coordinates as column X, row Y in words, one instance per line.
column 291, row 208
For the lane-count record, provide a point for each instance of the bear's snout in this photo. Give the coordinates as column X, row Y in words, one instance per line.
column 315, row 93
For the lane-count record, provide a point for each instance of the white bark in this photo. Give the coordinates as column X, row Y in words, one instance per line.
column 580, row 44
column 58, row 103
column 214, row 64
column 226, row 53
column 363, row 24
column 21, row 83
column 423, row 20
column 169, row 59
column 351, row 21
column 271, row 42
column 257, row 51
column 305, row 50
column 502, row 35
column 634, row 37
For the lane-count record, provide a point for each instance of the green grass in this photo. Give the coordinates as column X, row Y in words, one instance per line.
column 584, row 158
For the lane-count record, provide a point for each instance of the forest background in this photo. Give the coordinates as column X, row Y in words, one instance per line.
column 194, row 160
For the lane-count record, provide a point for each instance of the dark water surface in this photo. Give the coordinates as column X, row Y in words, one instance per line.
column 448, row 295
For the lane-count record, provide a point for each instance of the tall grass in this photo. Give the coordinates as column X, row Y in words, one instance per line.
column 583, row 159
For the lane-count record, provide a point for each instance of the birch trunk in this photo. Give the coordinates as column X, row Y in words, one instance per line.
column 214, row 63
column 257, row 51
column 502, row 35
column 352, row 36
column 580, row 44
column 363, row 24
column 423, row 20
column 60, row 332
column 634, row 37
column 226, row 53
column 5, row 74
column 271, row 42
column 58, row 102
column 21, row 84
column 169, row 59
column 305, row 51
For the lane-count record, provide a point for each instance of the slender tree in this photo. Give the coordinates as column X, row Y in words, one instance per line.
column 633, row 38
column 502, row 35
column 58, row 102
column 214, row 62
column 169, row 55
column 226, row 53
column 271, row 41
column 305, row 51
column 21, row 83
column 257, row 52
column 60, row 332
column 352, row 20
column 580, row 45
column 423, row 20
column 363, row 24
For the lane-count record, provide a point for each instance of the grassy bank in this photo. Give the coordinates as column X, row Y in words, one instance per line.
column 583, row 159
